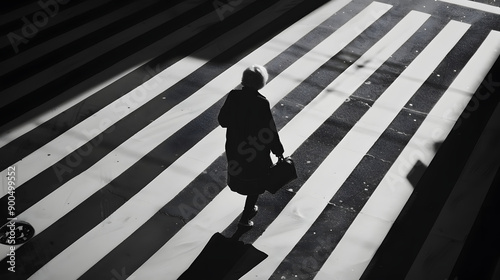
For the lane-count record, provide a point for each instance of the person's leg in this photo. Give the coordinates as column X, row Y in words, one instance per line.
column 249, row 210
column 250, row 202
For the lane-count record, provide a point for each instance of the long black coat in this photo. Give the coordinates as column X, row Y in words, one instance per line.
column 251, row 136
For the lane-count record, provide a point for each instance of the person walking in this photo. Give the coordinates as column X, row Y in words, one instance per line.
column 250, row 138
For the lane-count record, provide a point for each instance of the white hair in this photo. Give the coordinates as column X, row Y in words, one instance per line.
column 255, row 77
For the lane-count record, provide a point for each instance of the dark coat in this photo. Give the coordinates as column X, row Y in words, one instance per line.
column 251, row 136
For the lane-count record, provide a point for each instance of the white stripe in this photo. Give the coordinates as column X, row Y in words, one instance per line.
column 198, row 158
column 62, row 15
column 177, row 254
column 40, row 50
column 83, row 90
column 203, row 153
column 77, row 60
column 78, row 135
column 105, row 118
column 475, row 5
column 219, row 85
column 346, row 84
column 463, row 204
column 301, row 212
column 355, row 250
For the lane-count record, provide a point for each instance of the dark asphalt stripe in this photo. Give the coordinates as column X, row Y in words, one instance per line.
column 88, row 70
column 40, row 64
column 36, row 138
column 11, row 6
column 104, row 202
column 49, row 32
column 102, row 144
column 16, row 24
column 329, row 228
column 194, row 197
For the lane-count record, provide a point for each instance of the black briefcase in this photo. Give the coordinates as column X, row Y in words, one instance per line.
column 280, row 174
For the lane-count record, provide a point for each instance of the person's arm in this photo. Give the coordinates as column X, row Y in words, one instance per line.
column 224, row 117
column 275, row 145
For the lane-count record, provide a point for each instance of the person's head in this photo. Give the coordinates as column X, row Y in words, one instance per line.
column 255, row 77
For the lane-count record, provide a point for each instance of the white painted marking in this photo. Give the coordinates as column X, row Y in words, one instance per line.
column 70, row 194
column 81, row 91
column 198, row 159
column 194, row 235
column 301, row 212
column 356, row 249
column 475, row 5
column 78, row 135
column 449, row 233
column 79, row 59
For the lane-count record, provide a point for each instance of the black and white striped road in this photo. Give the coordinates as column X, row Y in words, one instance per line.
column 110, row 119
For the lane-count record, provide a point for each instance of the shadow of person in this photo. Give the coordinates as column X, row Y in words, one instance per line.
column 419, row 168
column 224, row 258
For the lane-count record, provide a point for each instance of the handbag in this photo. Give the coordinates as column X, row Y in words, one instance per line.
column 280, row 174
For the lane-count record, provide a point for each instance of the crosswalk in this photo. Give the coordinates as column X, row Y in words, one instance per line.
column 122, row 171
